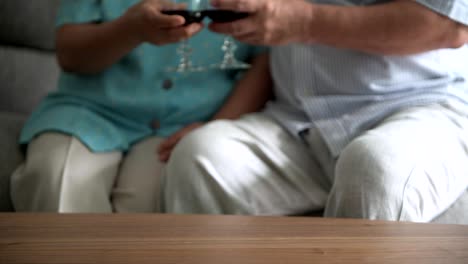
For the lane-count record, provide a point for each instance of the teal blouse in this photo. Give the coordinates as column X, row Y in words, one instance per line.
column 114, row 109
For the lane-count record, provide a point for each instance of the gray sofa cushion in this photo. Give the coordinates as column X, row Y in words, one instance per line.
column 10, row 155
column 26, row 76
column 28, row 71
column 28, row 23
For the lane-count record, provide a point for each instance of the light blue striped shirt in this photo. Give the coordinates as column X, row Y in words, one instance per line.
column 342, row 93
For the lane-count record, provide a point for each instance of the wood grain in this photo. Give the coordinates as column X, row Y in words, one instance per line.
column 138, row 239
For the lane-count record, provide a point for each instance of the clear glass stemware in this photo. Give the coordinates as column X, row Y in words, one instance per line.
column 192, row 14
column 229, row 46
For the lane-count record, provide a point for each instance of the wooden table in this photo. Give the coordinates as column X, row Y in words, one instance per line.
column 138, row 239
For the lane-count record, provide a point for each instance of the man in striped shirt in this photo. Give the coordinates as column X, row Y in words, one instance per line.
column 370, row 118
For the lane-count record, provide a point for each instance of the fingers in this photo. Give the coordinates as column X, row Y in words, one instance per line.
column 164, row 157
column 165, row 36
column 252, row 39
column 167, row 21
column 181, row 33
column 167, row 146
column 169, row 143
column 235, row 29
column 249, row 6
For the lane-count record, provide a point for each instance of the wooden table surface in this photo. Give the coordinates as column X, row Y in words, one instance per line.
column 138, row 239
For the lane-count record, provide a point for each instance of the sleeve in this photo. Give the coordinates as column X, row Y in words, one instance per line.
column 78, row 11
column 457, row 10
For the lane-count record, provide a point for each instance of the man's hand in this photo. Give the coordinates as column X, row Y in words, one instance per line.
column 272, row 22
column 165, row 149
column 150, row 25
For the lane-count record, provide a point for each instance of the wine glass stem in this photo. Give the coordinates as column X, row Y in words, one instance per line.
column 229, row 49
column 185, row 52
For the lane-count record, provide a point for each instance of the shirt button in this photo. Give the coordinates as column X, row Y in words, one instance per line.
column 167, row 84
column 155, row 124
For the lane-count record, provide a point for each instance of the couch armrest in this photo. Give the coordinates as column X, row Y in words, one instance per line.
column 10, row 154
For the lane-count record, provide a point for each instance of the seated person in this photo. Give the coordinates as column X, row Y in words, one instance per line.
column 91, row 145
column 370, row 118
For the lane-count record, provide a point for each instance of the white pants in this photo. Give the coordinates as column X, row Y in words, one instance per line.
column 60, row 174
column 411, row 167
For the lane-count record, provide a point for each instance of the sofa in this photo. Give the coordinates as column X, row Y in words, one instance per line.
column 28, row 71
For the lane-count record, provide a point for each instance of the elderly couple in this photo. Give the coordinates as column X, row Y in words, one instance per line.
column 369, row 117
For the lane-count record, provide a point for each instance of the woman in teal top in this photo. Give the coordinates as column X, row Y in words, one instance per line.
column 96, row 136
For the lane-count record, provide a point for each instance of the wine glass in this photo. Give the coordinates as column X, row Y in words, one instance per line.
column 192, row 14
column 229, row 47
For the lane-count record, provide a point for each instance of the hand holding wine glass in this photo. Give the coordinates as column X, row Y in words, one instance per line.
column 151, row 25
column 271, row 22
column 194, row 12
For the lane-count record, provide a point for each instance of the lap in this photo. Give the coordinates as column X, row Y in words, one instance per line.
column 419, row 136
column 247, row 166
column 61, row 174
column 417, row 156
column 137, row 188
column 58, row 151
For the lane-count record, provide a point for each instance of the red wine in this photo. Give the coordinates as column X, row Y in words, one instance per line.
column 216, row 15
column 190, row 16
column 224, row 16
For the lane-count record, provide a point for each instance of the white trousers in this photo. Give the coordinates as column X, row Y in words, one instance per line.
column 411, row 167
column 60, row 174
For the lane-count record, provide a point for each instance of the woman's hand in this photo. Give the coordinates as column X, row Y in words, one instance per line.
column 165, row 149
column 150, row 25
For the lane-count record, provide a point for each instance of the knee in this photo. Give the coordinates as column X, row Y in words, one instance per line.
column 36, row 168
column 33, row 182
column 209, row 143
column 45, row 155
column 193, row 178
column 370, row 178
column 362, row 164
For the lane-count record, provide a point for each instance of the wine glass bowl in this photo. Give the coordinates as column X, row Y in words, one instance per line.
column 224, row 16
column 189, row 16
column 216, row 15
